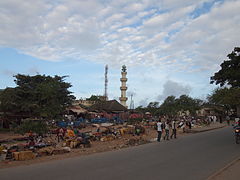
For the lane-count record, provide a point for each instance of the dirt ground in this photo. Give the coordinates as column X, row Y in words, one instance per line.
column 9, row 135
column 230, row 173
column 96, row 147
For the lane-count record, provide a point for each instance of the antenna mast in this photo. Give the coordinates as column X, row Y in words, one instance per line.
column 131, row 102
column 106, row 83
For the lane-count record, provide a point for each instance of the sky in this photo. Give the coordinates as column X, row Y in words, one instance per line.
column 170, row 47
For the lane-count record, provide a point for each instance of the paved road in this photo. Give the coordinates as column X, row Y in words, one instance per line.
column 191, row 157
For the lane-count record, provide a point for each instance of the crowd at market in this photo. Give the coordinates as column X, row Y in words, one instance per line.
column 63, row 139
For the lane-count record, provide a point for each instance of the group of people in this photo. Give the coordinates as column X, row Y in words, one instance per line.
column 165, row 127
column 62, row 133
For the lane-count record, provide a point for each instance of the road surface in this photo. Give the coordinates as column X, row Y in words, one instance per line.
column 191, row 157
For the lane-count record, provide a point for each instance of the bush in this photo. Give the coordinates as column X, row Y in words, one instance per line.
column 39, row 127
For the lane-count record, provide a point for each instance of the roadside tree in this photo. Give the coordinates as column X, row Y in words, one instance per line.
column 186, row 103
column 37, row 96
column 228, row 76
column 168, row 107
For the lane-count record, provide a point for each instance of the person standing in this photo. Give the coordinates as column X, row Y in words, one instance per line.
column 159, row 130
column 60, row 134
column 174, row 129
column 189, row 123
column 228, row 120
column 220, row 118
column 182, row 125
column 166, row 130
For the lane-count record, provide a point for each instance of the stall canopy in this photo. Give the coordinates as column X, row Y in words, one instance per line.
column 108, row 106
column 77, row 109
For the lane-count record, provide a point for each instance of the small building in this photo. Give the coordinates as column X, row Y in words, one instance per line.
column 77, row 109
column 109, row 109
column 210, row 111
column 108, row 106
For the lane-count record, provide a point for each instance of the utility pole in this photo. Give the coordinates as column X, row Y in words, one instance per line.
column 106, row 83
column 131, row 103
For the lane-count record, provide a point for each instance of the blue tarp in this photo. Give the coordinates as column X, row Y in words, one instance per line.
column 95, row 120
column 78, row 123
column 62, row 124
column 117, row 119
column 99, row 120
column 71, row 123
column 81, row 120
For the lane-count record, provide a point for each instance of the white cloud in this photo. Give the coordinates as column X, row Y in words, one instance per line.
column 211, row 36
column 161, row 21
column 172, row 88
column 159, row 33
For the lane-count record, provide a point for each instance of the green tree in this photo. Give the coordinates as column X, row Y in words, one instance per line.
column 229, row 74
column 37, row 96
column 8, row 99
column 39, row 127
column 172, row 105
column 226, row 97
column 152, row 107
column 96, row 98
column 187, row 103
column 168, row 107
column 140, row 109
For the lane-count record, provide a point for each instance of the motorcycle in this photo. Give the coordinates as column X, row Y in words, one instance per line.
column 237, row 135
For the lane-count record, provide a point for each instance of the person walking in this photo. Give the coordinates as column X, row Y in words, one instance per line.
column 159, row 130
column 189, row 124
column 174, row 129
column 228, row 120
column 166, row 130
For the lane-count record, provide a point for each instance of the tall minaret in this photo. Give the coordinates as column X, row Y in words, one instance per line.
column 123, row 99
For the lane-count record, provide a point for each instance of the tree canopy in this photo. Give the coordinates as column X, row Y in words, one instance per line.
column 38, row 96
column 152, row 107
column 173, row 105
column 229, row 74
column 96, row 98
column 168, row 107
column 226, row 97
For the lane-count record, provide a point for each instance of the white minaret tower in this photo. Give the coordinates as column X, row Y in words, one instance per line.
column 123, row 99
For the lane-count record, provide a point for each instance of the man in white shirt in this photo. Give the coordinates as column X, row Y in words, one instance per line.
column 166, row 127
column 174, row 129
column 159, row 130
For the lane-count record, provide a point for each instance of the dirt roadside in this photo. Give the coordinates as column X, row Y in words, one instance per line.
column 98, row 146
column 229, row 172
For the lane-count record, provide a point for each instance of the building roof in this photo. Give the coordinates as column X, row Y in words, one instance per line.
column 77, row 109
column 108, row 106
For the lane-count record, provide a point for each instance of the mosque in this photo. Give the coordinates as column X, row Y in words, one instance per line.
column 123, row 99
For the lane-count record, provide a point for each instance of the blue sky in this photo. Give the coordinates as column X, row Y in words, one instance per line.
column 170, row 47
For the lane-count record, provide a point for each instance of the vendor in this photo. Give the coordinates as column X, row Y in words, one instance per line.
column 76, row 131
column 60, row 134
